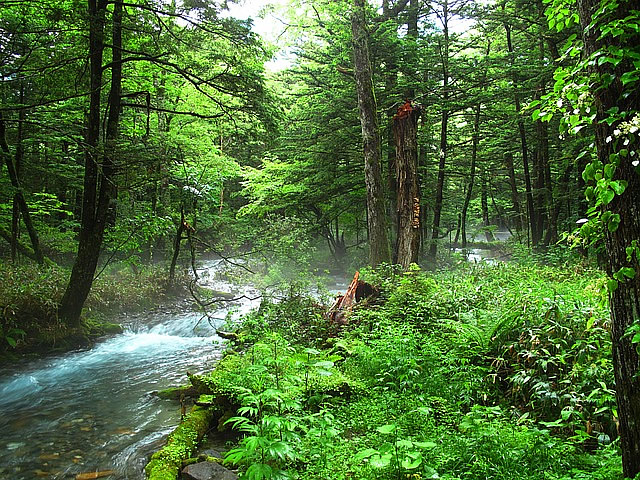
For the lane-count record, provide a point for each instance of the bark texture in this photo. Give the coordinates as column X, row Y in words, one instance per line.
column 624, row 300
column 99, row 182
column 405, row 132
column 472, row 174
column 523, row 143
column 515, row 197
column 379, row 251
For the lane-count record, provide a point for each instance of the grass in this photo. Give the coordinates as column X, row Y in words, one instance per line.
column 483, row 372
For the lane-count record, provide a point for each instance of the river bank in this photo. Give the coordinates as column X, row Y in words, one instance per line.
column 29, row 298
column 488, row 371
column 94, row 410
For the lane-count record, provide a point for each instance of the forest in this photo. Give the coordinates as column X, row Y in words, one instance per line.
column 187, row 188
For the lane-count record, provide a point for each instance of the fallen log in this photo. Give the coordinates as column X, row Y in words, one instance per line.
column 166, row 463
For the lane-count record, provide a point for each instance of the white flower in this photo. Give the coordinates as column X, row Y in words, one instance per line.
column 608, row 139
column 617, row 132
column 559, row 103
column 576, row 111
column 635, row 163
column 633, row 129
column 626, row 142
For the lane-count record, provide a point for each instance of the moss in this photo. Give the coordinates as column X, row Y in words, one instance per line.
column 175, row 393
column 336, row 385
column 166, row 463
column 201, row 458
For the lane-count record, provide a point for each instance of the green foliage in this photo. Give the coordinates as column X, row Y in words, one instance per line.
column 400, row 455
column 574, row 100
column 275, row 386
column 482, row 372
column 29, row 298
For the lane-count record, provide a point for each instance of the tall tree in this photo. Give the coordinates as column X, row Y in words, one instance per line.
column 616, row 125
column 444, row 125
column 376, row 220
column 607, row 80
column 533, row 225
column 99, row 182
column 19, row 195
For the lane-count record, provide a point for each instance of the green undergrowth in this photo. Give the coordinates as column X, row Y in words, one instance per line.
column 29, row 298
column 482, row 372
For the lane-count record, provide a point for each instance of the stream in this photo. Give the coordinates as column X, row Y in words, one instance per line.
column 94, row 410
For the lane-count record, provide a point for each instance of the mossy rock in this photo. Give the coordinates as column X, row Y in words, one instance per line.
column 175, row 393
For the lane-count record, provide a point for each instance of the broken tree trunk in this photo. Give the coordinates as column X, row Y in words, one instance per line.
column 405, row 133
column 357, row 290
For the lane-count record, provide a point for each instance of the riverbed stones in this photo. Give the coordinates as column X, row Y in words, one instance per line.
column 207, row 471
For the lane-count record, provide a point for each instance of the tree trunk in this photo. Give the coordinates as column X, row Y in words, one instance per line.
column 472, row 175
column 19, row 196
column 405, row 132
column 379, row 251
column 523, row 142
column 515, row 197
column 484, row 201
column 176, row 247
column 99, row 183
column 563, row 191
column 437, row 206
column 625, row 299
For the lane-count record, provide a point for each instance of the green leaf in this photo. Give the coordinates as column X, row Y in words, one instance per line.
column 364, row 454
column 259, row 471
column 613, row 223
column 628, row 272
column 612, row 285
column 387, row 429
column 381, row 461
column 590, row 194
column 609, row 170
column 630, row 77
column 588, row 173
column 412, row 463
column 425, row 444
column 618, row 186
column 606, row 196
column 403, row 443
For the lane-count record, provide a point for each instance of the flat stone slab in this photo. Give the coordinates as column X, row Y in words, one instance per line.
column 207, row 471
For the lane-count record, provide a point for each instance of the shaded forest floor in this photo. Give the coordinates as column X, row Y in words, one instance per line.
column 485, row 371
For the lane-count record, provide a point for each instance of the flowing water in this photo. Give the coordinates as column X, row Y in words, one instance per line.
column 94, row 410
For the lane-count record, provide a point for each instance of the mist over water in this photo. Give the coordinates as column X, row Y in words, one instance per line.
column 94, row 410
